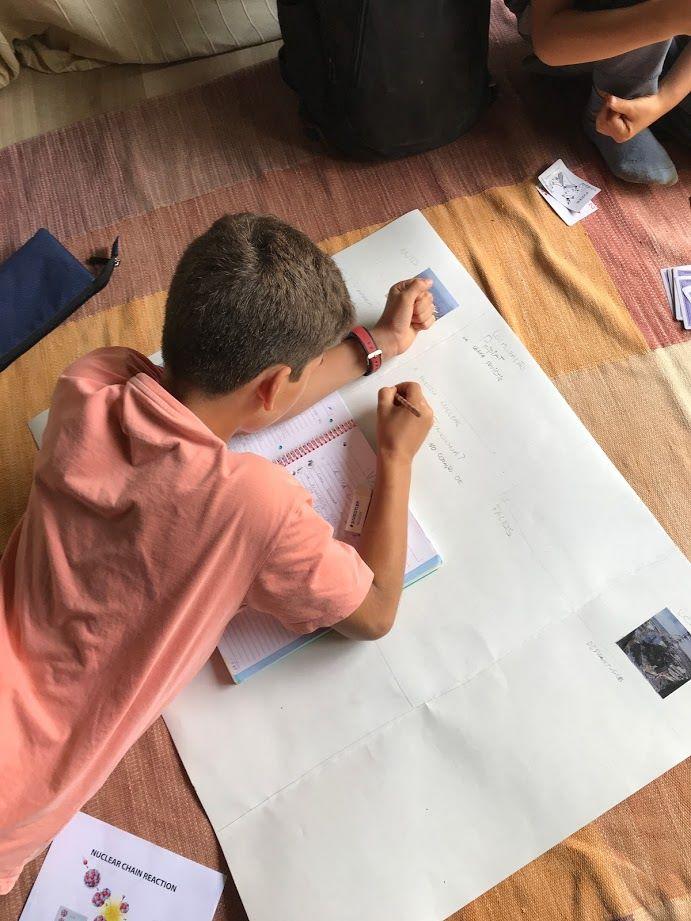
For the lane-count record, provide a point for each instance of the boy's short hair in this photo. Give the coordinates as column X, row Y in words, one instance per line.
column 249, row 293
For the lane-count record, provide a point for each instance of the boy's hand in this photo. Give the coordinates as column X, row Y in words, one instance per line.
column 409, row 309
column 400, row 434
column 622, row 119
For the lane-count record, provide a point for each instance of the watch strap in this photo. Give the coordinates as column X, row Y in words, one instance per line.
column 366, row 342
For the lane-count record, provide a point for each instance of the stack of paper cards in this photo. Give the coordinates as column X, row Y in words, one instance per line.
column 677, row 282
column 569, row 195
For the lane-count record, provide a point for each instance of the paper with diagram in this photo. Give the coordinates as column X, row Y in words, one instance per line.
column 566, row 193
column 96, row 872
column 568, row 189
column 519, row 694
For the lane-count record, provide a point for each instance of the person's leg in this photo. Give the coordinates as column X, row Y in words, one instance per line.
column 677, row 123
column 642, row 159
column 635, row 73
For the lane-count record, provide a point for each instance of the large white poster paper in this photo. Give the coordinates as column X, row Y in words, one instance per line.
column 534, row 681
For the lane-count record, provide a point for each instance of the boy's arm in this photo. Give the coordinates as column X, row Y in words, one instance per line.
column 622, row 119
column 409, row 309
column 384, row 539
column 564, row 35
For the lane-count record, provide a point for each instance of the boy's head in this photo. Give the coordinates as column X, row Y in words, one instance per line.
column 252, row 301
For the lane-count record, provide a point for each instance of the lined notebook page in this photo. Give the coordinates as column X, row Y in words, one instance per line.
column 253, row 640
column 330, row 472
column 284, row 437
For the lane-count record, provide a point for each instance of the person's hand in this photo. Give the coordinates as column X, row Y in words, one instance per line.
column 400, row 433
column 623, row 119
column 409, row 309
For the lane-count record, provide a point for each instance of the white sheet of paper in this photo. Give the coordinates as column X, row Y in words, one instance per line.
column 402, row 779
column 94, row 869
column 569, row 189
column 568, row 217
column 37, row 426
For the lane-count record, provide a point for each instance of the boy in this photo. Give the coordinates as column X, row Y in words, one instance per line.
column 628, row 42
column 143, row 534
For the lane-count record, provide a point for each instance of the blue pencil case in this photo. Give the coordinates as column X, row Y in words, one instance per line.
column 40, row 286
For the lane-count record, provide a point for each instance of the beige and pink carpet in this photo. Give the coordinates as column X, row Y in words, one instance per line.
column 587, row 301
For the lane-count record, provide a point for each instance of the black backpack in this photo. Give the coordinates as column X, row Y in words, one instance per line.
column 386, row 78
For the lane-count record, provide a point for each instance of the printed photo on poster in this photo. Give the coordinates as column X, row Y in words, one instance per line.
column 444, row 301
column 660, row 648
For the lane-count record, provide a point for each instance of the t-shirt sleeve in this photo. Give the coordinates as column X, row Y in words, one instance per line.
column 310, row 579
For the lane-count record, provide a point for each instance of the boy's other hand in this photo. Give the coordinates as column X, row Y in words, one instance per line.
column 400, row 434
column 409, row 309
column 623, row 119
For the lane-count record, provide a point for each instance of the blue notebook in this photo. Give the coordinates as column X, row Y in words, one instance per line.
column 329, row 455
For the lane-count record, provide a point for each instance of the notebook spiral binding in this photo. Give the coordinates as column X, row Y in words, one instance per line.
column 315, row 443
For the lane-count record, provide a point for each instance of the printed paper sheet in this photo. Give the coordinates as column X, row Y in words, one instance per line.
column 96, row 871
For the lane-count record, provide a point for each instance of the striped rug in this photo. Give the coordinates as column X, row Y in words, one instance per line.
column 586, row 300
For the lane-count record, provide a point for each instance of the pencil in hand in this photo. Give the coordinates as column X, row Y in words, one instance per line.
column 401, row 401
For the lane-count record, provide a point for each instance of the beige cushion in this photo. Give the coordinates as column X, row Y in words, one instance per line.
column 58, row 35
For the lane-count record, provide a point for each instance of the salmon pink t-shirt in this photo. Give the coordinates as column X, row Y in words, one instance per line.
column 143, row 535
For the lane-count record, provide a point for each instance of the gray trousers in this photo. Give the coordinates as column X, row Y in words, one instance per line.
column 635, row 73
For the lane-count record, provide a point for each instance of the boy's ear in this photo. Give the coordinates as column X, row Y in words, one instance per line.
column 271, row 384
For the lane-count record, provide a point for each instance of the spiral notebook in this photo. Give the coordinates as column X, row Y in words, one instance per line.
column 329, row 455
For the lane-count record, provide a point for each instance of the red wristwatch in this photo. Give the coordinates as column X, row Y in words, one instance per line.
column 364, row 339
